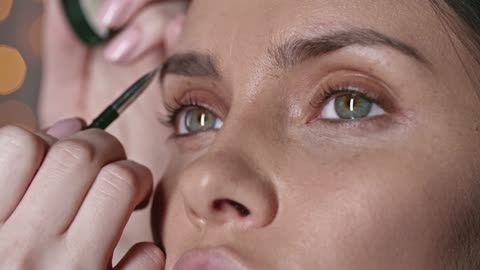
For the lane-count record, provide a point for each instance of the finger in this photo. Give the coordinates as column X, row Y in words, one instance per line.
column 66, row 128
column 174, row 29
column 49, row 140
column 21, row 155
column 118, row 189
column 146, row 32
column 60, row 130
column 142, row 256
column 116, row 14
column 67, row 173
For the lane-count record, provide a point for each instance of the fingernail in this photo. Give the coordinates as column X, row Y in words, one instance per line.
column 66, row 128
column 123, row 46
column 112, row 13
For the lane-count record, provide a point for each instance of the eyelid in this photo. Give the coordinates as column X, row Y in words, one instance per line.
column 201, row 98
column 332, row 92
column 345, row 81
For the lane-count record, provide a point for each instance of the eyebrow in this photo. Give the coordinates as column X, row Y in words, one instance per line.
column 298, row 50
column 191, row 64
column 292, row 52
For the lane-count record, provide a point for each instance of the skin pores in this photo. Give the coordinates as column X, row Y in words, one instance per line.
column 279, row 184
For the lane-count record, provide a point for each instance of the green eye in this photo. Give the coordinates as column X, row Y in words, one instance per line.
column 194, row 120
column 351, row 106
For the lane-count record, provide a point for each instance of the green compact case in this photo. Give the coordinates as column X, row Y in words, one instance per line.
column 81, row 14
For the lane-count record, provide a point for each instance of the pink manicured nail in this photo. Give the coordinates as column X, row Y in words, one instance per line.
column 65, row 128
column 123, row 46
column 112, row 13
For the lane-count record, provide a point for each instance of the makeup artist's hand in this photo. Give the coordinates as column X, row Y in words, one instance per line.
column 80, row 81
column 64, row 202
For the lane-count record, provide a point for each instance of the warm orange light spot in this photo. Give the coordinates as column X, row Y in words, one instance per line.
column 14, row 112
column 5, row 7
column 12, row 70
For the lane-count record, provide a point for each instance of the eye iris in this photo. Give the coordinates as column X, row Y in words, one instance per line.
column 352, row 106
column 199, row 120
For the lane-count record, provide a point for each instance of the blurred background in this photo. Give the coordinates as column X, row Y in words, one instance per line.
column 20, row 61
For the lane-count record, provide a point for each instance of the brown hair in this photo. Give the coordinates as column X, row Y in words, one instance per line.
column 461, row 19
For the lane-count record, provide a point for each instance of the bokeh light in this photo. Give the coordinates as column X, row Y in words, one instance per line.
column 13, row 112
column 12, row 69
column 5, row 8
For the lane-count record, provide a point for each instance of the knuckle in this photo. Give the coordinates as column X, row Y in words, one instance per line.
column 73, row 151
column 120, row 181
column 110, row 142
column 73, row 254
column 19, row 139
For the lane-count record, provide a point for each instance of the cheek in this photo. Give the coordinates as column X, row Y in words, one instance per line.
column 393, row 205
column 169, row 222
column 387, row 211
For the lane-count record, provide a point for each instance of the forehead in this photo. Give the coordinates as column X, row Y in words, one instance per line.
column 240, row 33
column 242, row 29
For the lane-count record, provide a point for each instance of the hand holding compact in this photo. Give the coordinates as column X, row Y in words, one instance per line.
column 145, row 24
column 65, row 202
column 78, row 79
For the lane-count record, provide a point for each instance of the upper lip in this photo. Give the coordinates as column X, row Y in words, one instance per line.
column 209, row 259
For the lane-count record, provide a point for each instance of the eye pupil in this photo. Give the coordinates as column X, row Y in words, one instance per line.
column 198, row 120
column 352, row 106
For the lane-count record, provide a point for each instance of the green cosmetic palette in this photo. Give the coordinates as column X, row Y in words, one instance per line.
column 81, row 14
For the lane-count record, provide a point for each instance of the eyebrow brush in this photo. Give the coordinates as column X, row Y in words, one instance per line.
column 113, row 111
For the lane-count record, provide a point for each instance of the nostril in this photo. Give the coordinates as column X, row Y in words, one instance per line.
column 221, row 205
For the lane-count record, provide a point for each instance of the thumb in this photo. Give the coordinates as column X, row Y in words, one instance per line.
column 142, row 256
column 65, row 128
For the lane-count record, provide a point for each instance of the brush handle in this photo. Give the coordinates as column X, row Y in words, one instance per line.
column 105, row 119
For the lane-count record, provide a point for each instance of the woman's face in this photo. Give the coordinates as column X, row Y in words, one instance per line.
column 327, row 134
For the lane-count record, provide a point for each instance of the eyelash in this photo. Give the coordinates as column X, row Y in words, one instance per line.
column 324, row 95
column 331, row 91
column 179, row 105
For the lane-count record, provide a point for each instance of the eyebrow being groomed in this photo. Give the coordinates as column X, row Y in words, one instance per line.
column 293, row 52
column 191, row 64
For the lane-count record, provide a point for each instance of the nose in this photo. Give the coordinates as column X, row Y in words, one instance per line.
column 221, row 189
